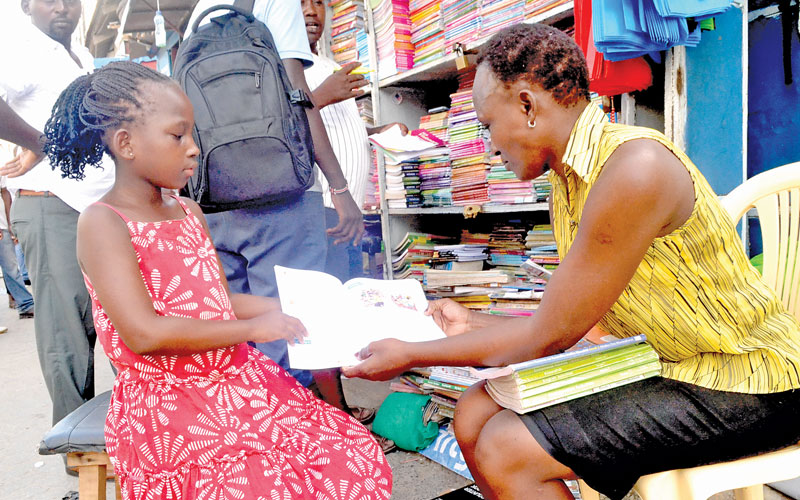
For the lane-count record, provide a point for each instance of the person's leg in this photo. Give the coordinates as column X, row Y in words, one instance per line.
column 23, row 269
column 503, row 457
column 65, row 336
column 290, row 234
column 11, row 275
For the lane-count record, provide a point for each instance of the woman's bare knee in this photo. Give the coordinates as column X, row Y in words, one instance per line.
column 475, row 408
column 505, row 447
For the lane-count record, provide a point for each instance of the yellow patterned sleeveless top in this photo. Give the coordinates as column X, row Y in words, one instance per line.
column 704, row 308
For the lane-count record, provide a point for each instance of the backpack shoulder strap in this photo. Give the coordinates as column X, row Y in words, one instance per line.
column 246, row 5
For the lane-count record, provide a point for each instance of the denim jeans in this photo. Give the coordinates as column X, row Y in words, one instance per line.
column 23, row 269
column 343, row 260
column 250, row 242
column 12, row 276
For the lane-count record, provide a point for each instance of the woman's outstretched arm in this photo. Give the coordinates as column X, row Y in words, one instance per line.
column 644, row 192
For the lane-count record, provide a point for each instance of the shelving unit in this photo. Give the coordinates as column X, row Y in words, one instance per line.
column 407, row 96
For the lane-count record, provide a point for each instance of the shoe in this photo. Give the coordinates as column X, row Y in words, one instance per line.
column 3, row 329
column 26, row 314
column 386, row 444
column 27, row 281
column 363, row 415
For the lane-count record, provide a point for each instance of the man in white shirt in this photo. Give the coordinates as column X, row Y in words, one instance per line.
column 44, row 216
column 334, row 90
column 291, row 233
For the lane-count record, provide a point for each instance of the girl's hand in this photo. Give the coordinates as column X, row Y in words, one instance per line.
column 274, row 325
column 381, row 360
column 451, row 317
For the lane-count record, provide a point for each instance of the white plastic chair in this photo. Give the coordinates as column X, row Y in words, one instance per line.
column 776, row 196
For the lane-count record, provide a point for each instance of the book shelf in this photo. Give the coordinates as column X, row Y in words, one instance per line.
column 405, row 97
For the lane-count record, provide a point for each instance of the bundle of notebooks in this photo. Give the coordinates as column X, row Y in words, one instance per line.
column 427, row 30
column 468, row 159
column 597, row 363
column 348, row 33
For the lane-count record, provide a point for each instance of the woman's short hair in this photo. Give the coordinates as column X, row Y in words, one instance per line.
column 541, row 55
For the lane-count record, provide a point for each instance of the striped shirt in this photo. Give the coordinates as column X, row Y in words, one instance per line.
column 704, row 308
column 347, row 133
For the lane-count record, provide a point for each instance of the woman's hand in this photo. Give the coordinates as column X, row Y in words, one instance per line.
column 381, row 360
column 451, row 317
column 275, row 325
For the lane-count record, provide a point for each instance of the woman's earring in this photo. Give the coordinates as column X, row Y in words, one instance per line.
column 532, row 125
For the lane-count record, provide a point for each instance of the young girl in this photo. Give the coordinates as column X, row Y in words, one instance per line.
column 195, row 413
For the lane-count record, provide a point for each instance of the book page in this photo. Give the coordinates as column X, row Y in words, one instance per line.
column 343, row 319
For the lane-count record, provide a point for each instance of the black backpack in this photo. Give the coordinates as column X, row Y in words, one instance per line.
column 250, row 125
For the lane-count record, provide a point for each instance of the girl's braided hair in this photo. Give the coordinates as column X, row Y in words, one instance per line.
column 90, row 106
column 541, row 55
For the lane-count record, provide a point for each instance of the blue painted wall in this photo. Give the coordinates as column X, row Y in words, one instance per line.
column 773, row 136
column 714, row 100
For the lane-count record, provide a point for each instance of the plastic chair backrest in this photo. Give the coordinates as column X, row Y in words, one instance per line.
column 775, row 194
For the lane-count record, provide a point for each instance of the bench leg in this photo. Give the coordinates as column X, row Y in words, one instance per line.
column 91, row 467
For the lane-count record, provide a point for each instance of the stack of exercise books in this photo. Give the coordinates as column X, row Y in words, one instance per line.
column 393, row 37
column 445, row 384
column 427, row 30
column 462, row 22
column 499, row 14
column 507, row 247
column 412, row 255
column 504, row 186
column 434, row 167
column 461, row 257
column 348, row 34
column 535, row 8
column 598, row 362
column 541, row 188
column 468, row 159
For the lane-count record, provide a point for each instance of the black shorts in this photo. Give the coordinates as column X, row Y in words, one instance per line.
column 612, row 438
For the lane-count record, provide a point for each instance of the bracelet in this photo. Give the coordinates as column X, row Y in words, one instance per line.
column 343, row 190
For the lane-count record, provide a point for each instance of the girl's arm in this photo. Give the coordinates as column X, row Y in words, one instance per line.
column 643, row 192
column 106, row 255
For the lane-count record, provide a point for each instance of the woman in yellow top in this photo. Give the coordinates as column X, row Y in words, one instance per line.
column 646, row 248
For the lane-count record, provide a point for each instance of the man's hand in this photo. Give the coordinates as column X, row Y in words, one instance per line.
column 22, row 164
column 381, row 360
column 340, row 86
column 351, row 221
column 452, row 318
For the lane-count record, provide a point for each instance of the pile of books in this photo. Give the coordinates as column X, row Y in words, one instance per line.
column 445, row 384
column 597, row 363
column 535, row 8
column 434, row 167
column 499, row 14
column 411, row 256
column 504, row 186
column 427, row 30
column 402, row 184
column 348, row 34
column 462, row 22
column 468, row 159
column 393, row 37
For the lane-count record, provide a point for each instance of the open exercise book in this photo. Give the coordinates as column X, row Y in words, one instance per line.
column 598, row 362
column 341, row 319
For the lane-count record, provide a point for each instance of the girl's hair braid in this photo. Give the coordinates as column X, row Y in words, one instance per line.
column 540, row 55
column 89, row 107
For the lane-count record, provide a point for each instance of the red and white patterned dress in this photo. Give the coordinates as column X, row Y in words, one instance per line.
column 223, row 424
